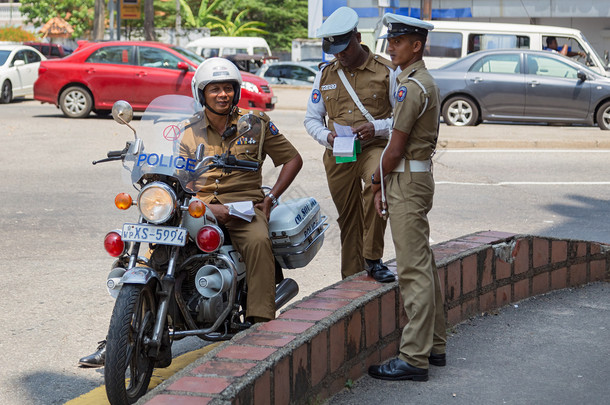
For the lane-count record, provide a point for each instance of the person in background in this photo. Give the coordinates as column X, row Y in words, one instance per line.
column 552, row 45
column 406, row 170
column 370, row 79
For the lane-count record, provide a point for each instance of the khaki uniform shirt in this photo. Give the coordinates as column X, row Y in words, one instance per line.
column 371, row 82
column 410, row 101
column 219, row 187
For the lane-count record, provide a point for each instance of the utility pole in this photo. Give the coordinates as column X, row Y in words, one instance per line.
column 149, row 20
column 98, row 19
column 426, row 9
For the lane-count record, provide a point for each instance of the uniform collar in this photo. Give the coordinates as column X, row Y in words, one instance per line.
column 411, row 69
column 368, row 64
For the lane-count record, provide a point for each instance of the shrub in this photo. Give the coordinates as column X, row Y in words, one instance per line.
column 16, row 34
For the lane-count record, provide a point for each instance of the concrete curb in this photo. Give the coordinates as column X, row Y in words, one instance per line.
column 320, row 343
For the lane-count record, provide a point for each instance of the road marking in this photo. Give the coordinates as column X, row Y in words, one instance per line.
column 473, row 150
column 528, row 183
column 97, row 396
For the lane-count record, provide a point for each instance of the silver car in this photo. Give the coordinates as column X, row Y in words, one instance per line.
column 294, row 73
column 522, row 85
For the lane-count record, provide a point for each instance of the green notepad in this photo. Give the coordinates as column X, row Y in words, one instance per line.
column 347, row 159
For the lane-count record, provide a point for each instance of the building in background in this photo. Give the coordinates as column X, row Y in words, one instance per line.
column 9, row 14
column 592, row 17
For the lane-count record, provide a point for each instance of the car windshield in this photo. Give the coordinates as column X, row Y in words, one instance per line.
column 188, row 54
column 4, row 56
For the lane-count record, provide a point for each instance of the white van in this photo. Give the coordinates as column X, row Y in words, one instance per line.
column 450, row 40
column 223, row 46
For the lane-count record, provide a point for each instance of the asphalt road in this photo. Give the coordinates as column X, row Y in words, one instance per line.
column 56, row 208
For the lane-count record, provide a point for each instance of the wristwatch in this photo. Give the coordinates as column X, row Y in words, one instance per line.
column 273, row 199
column 373, row 180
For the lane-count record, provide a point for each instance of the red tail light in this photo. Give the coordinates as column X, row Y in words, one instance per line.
column 113, row 243
column 210, row 238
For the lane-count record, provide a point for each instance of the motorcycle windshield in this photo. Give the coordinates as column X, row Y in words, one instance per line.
column 160, row 131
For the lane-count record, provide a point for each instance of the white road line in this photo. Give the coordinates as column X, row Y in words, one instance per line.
column 529, row 183
column 474, row 150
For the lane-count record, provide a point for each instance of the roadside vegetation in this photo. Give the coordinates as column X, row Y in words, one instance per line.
column 278, row 21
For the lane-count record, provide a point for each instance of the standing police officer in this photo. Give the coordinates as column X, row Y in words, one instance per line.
column 369, row 78
column 406, row 169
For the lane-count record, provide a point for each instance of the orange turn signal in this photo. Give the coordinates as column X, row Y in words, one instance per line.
column 123, row 201
column 197, row 208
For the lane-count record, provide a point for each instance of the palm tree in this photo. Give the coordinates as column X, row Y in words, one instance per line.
column 235, row 28
column 203, row 15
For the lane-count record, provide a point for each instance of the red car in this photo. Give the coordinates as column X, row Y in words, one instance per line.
column 99, row 73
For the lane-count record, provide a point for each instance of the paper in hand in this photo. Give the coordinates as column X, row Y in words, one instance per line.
column 344, row 141
column 242, row 209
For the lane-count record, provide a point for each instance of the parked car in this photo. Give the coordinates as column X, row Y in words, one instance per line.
column 295, row 73
column 18, row 71
column 100, row 73
column 50, row 51
column 522, row 85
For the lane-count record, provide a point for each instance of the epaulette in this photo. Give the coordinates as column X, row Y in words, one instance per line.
column 322, row 65
column 189, row 122
column 258, row 113
column 384, row 61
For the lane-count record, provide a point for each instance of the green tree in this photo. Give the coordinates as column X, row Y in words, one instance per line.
column 79, row 13
column 284, row 20
column 202, row 17
column 234, row 27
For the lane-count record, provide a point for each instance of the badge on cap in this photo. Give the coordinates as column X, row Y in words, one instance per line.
column 273, row 128
column 316, row 96
column 401, row 93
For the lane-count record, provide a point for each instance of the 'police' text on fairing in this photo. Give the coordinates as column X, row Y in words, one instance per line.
column 177, row 162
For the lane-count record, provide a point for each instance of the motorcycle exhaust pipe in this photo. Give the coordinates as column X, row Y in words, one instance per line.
column 286, row 290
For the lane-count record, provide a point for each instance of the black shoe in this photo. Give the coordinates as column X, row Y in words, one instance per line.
column 379, row 271
column 96, row 359
column 397, row 369
column 438, row 360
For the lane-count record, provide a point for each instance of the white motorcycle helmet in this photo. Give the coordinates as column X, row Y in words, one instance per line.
column 215, row 70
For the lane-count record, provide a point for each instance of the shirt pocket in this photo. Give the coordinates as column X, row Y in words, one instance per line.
column 331, row 102
column 374, row 97
column 246, row 152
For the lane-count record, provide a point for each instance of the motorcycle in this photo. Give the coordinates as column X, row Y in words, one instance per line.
column 176, row 273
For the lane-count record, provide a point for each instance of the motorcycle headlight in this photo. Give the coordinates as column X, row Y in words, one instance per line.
column 251, row 87
column 157, row 202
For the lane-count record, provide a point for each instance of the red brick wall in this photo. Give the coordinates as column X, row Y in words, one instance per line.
column 320, row 343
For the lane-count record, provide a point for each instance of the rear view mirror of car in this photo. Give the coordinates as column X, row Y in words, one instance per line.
column 183, row 66
column 581, row 76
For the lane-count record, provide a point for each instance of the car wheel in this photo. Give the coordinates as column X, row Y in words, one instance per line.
column 460, row 111
column 75, row 102
column 603, row 116
column 6, row 94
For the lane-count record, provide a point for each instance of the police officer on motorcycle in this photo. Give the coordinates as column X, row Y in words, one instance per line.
column 216, row 87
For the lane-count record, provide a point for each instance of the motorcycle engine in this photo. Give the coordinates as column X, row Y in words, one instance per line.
column 206, row 287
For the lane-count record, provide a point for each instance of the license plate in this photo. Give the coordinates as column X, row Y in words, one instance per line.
column 165, row 235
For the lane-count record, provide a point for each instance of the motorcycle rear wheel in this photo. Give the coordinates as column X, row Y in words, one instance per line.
column 128, row 367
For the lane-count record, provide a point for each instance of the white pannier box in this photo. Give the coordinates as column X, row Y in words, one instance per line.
column 296, row 229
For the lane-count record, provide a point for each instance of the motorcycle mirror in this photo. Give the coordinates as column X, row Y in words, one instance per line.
column 122, row 112
column 200, row 154
column 248, row 124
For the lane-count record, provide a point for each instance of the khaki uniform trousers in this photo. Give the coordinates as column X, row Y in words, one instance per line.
column 358, row 221
column 409, row 198
column 251, row 239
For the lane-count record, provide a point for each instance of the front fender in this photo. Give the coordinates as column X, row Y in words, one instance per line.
column 139, row 275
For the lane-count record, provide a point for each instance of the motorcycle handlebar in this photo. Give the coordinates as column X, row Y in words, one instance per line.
column 115, row 153
column 245, row 164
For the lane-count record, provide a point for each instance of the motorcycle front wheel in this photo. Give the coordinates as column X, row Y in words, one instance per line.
column 128, row 367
